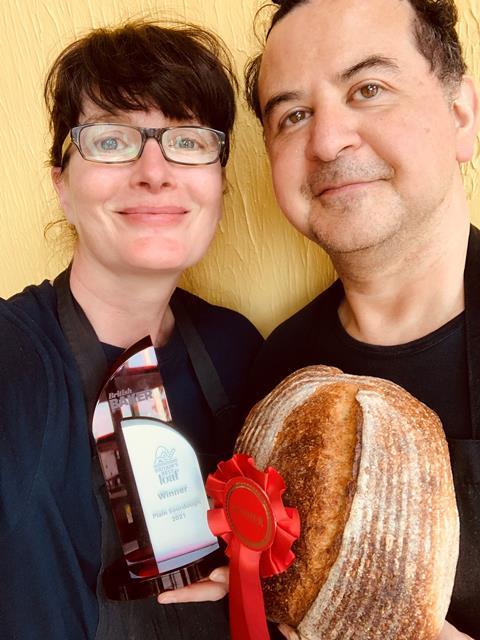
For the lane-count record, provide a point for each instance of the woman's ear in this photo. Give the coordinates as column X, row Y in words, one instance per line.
column 225, row 183
column 60, row 184
column 465, row 109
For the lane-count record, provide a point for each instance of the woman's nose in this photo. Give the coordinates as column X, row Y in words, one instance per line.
column 152, row 169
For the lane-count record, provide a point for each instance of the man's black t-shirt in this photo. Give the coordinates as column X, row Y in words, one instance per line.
column 432, row 368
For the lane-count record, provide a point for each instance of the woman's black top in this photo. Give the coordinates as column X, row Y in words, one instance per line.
column 50, row 534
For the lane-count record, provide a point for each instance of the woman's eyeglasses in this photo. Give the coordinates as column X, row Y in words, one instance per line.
column 111, row 143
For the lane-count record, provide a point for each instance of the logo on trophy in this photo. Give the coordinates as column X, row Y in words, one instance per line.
column 166, row 465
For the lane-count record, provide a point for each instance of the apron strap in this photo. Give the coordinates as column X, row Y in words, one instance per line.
column 472, row 324
column 205, row 371
column 86, row 348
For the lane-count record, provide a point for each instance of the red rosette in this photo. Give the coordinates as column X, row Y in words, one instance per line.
column 259, row 531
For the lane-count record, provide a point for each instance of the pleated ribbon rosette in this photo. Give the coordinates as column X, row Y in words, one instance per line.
column 259, row 532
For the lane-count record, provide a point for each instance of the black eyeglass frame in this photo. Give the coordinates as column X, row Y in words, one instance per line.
column 73, row 137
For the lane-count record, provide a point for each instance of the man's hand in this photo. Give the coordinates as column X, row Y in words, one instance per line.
column 288, row 632
column 449, row 632
column 214, row 587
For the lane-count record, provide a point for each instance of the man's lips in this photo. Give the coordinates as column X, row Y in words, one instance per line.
column 344, row 187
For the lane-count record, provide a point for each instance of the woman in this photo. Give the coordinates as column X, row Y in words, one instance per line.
column 141, row 118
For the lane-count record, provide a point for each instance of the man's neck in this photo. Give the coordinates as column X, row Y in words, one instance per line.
column 399, row 297
column 123, row 308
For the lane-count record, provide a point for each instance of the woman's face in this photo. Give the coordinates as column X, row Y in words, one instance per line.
column 143, row 216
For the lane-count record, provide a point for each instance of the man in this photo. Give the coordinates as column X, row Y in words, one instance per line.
column 367, row 114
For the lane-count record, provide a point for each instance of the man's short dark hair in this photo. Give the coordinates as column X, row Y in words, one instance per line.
column 183, row 70
column 435, row 36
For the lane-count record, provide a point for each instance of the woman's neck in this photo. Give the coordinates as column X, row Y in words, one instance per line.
column 124, row 307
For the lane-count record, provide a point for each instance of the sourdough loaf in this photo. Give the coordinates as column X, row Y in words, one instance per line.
column 367, row 467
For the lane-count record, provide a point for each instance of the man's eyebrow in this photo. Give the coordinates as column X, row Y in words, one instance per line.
column 371, row 62
column 278, row 99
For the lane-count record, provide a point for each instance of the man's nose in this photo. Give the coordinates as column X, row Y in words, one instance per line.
column 152, row 169
column 334, row 129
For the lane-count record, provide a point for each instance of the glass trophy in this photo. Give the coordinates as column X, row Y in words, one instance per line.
column 153, row 481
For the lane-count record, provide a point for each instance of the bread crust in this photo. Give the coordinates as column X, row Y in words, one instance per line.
column 367, row 466
column 324, row 489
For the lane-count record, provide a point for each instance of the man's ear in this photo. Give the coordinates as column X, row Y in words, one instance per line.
column 466, row 111
column 60, row 184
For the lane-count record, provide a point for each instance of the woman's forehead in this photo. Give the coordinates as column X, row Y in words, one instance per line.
column 93, row 112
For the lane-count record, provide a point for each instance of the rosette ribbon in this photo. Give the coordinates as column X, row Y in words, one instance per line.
column 259, row 531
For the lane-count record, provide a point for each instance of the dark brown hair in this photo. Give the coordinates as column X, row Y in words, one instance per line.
column 183, row 70
column 435, row 38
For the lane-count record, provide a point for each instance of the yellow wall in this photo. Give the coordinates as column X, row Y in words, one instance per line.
column 258, row 264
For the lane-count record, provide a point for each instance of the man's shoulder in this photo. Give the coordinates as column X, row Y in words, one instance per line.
column 310, row 318
column 475, row 235
column 293, row 344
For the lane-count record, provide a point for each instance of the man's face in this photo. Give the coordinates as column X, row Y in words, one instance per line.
column 361, row 135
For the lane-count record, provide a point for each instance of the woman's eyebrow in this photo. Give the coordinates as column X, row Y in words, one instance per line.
column 106, row 116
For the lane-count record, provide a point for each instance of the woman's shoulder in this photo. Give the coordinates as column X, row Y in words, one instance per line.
column 38, row 302
column 24, row 383
column 30, row 332
column 231, row 340
column 32, row 345
column 35, row 389
column 232, row 343
column 31, row 318
column 215, row 321
column 18, row 317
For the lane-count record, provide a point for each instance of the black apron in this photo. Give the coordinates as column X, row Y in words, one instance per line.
column 464, row 610
column 141, row 619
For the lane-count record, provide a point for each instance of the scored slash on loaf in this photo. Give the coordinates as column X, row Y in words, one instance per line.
column 367, row 467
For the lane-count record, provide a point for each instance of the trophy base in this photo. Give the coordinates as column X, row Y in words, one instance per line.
column 118, row 584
